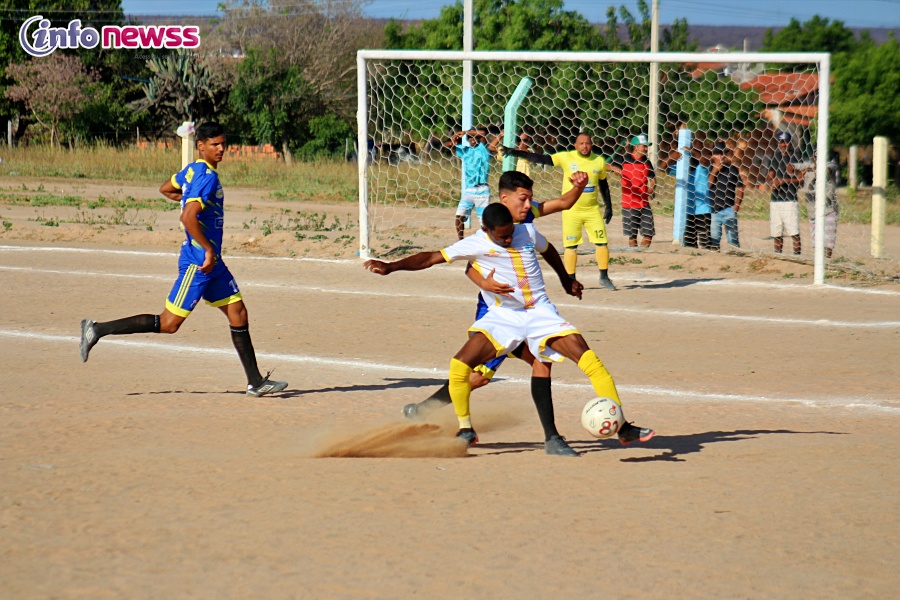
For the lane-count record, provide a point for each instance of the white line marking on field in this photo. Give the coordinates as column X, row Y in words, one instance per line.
column 877, row 404
column 169, row 254
column 632, row 276
column 563, row 305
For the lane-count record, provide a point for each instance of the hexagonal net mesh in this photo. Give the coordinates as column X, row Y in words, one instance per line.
column 707, row 114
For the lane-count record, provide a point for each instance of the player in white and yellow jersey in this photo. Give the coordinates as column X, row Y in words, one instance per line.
column 586, row 212
column 525, row 315
column 516, row 193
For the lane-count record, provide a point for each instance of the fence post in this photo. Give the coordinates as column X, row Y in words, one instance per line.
column 852, row 164
column 187, row 145
column 9, row 136
column 879, row 185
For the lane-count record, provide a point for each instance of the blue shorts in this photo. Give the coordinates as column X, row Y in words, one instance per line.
column 217, row 287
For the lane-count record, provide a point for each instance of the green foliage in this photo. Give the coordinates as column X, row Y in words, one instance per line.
column 329, row 136
column 816, row 35
column 672, row 39
column 864, row 99
column 112, row 67
column 715, row 105
column 274, row 99
column 180, row 89
column 534, row 25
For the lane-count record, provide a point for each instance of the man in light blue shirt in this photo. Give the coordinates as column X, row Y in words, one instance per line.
column 476, row 194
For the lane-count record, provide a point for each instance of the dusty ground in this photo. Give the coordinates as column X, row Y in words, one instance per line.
column 147, row 473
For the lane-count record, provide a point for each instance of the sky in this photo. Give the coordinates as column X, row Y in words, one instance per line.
column 768, row 13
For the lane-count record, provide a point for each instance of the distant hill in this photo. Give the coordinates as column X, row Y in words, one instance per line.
column 706, row 36
column 733, row 36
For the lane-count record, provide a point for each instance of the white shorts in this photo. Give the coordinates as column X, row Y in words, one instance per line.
column 477, row 197
column 784, row 218
column 506, row 328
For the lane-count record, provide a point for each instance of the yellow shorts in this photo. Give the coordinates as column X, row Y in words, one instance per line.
column 589, row 218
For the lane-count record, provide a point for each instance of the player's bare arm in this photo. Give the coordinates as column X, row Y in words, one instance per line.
column 573, row 287
column 192, row 226
column 169, row 190
column 416, row 262
column 488, row 284
column 579, row 181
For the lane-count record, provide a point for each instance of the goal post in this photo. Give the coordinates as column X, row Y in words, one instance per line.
column 510, row 120
column 410, row 102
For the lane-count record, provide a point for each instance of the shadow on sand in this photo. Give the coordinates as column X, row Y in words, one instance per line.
column 671, row 448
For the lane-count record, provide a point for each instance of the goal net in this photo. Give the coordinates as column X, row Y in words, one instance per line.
column 705, row 108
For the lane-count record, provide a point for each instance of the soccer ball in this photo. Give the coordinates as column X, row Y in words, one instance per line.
column 602, row 418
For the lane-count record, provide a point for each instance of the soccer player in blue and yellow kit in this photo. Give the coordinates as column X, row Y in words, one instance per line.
column 586, row 212
column 201, row 271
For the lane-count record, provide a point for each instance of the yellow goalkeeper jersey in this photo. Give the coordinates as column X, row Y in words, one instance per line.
column 595, row 166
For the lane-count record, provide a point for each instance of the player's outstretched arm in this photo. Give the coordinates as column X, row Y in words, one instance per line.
column 571, row 286
column 416, row 262
column 566, row 201
column 488, row 284
column 542, row 159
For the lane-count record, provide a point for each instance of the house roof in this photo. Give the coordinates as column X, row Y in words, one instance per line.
column 781, row 88
column 701, row 68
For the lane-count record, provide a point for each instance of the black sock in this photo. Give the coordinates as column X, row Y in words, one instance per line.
column 135, row 324
column 442, row 396
column 604, row 273
column 240, row 337
column 543, row 402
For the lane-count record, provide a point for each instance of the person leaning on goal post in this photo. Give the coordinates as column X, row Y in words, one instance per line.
column 201, row 271
column 586, row 212
column 526, row 315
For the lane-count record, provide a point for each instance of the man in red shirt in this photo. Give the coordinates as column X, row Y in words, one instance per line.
column 638, row 186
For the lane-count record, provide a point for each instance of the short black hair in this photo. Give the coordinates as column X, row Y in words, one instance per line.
column 510, row 181
column 208, row 130
column 496, row 215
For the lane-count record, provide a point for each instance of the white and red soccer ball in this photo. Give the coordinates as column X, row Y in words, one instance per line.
column 602, row 418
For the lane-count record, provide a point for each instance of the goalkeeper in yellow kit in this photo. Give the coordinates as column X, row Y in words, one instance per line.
column 586, row 212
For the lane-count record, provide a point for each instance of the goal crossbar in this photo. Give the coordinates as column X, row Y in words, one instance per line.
column 821, row 60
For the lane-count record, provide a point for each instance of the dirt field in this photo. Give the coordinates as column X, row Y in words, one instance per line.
column 147, row 473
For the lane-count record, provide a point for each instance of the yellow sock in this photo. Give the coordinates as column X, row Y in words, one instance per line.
column 602, row 257
column 602, row 381
column 460, row 390
column 570, row 260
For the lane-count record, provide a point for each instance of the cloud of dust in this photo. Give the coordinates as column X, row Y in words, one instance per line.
column 416, row 439
column 405, row 439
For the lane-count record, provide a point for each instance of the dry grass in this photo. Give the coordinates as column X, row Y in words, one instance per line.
column 332, row 181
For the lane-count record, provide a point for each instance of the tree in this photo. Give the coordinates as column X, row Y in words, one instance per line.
column 501, row 25
column 816, row 35
column 180, row 89
column 864, row 98
column 274, row 99
column 93, row 13
column 308, row 45
column 53, row 89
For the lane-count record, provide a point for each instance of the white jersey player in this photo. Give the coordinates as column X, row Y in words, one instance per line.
column 527, row 315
